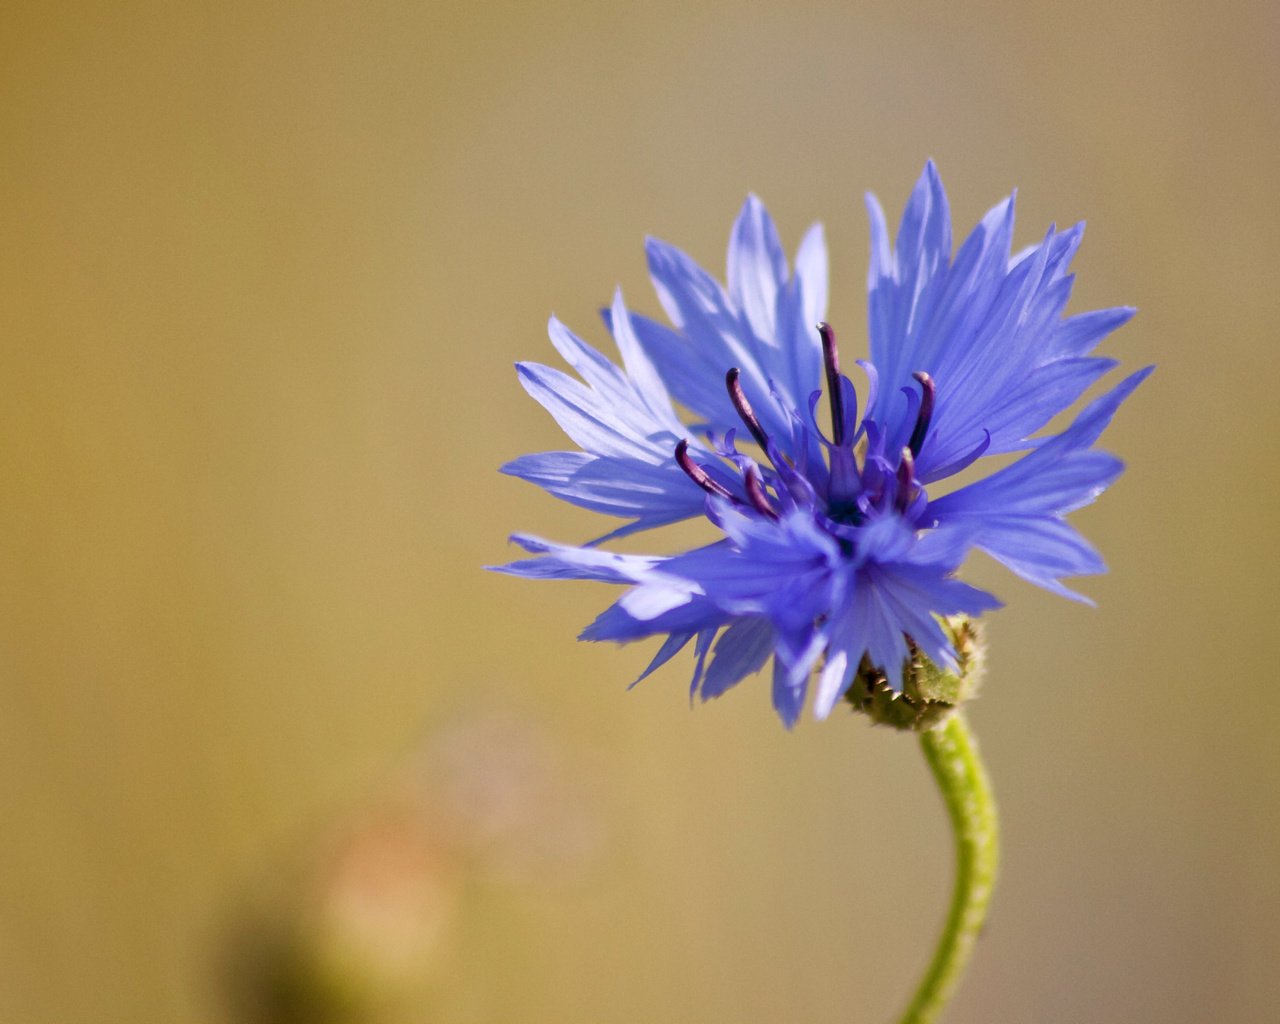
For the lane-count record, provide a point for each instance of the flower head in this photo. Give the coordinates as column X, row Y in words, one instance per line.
column 837, row 535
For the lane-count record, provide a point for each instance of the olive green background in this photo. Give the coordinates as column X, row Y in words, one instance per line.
column 264, row 269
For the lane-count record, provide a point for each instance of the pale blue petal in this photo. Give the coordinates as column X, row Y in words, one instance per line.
column 641, row 373
column 627, row 488
column 692, row 371
column 616, row 625
column 564, row 562
column 757, row 268
column 593, row 423
column 833, row 681
column 788, row 695
column 811, row 275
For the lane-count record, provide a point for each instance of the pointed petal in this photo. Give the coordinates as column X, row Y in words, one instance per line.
column 594, row 423
column 757, row 267
column 652, row 495
column 564, row 562
column 1058, row 477
column 742, row 649
column 1041, row 550
column 811, row 273
column 671, row 646
column 641, row 372
column 1079, row 334
column 788, row 696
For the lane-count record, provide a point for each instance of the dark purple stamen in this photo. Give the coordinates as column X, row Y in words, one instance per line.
column 906, row 479
column 739, row 399
column 928, row 389
column 755, row 494
column 831, row 360
column 699, row 475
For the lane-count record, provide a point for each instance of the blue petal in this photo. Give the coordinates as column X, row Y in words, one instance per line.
column 811, row 275
column 757, row 326
column 616, row 624
column 1049, row 389
column 671, row 646
column 1016, row 512
column 796, row 368
column 863, row 624
column 641, row 373
column 693, row 365
column 919, row 624
column 695, row 303
column 916, row 595
column 1058, row 477
column 986, row 327
column 688, row 294
column 637, row 398
column 771, row 568
column 1079, row 334
column 705, row 637
column 742, row 649
column 889, row 599
column 1041, row 550
column 656, row 596
column 564, row 562
column 626, row 426
column 593, row 423
column 973, row 283
column 1061, row 485
column 1090, row 424
column 600, row 374
column 881, row 629
column 692, row 371
column 836, row 676
column 652, row 495
column 926, row 589
column 788, row 694
column 757, row 267
column 905, row 284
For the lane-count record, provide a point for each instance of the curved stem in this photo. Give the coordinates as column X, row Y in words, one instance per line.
column 953, row 758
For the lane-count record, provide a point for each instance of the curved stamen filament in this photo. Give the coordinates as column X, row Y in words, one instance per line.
column 755, row 493
column 831, row 361
column 906, row 480
column 928, row 391
column 748, row 416
column 699, row 475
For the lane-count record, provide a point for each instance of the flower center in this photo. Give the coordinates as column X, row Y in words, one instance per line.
column 862, row 478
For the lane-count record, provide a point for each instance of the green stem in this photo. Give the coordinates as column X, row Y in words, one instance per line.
column 953, row 758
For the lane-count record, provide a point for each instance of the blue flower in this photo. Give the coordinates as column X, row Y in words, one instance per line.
column 842, row 540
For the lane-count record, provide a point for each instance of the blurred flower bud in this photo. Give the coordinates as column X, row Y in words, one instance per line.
column 363, row 928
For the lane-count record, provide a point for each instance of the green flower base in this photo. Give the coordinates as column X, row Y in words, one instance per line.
column 929, row 693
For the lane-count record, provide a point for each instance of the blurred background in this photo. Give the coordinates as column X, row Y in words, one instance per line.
column 273, row 748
